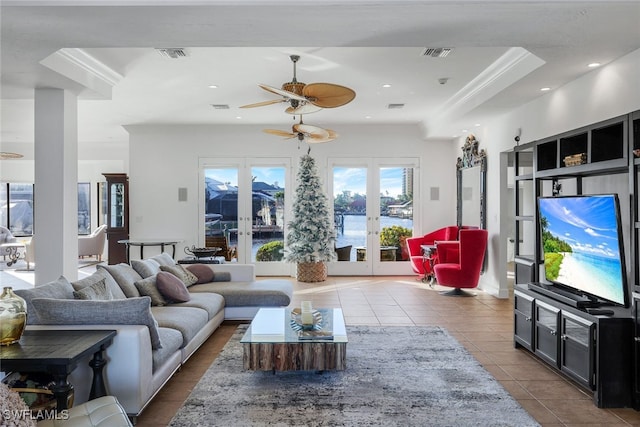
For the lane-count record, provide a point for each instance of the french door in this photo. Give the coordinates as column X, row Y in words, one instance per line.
column 243, row 199
column 373, row 198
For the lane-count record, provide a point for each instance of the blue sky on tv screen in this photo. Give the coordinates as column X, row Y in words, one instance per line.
column 587, row 224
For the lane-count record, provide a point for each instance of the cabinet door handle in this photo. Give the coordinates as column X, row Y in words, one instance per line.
column 564, row 337
column 528, row 319
column 552, row 332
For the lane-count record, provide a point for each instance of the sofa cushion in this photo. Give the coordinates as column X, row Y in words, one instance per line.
column 187, row 277
column 148, row 287
column 172, row 288
column 261, row 293
column 202, row 271
column 164, row 259
column 98, row 275
column 130, row 311
column 59, row 289
column 211, row 303
column 98, row 291
column 171, row 342
column 188, row 320
column 145, row 267
column 126, row 277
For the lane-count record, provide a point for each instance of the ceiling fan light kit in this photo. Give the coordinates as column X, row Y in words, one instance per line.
column 306, row 99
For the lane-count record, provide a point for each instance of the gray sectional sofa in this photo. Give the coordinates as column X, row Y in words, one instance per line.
column 159, row 326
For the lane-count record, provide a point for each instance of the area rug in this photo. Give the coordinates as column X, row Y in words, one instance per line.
column 395, row 376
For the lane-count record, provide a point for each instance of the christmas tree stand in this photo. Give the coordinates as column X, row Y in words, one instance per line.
column 312, row 272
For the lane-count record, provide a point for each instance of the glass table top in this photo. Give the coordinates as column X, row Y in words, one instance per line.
column 280, row 325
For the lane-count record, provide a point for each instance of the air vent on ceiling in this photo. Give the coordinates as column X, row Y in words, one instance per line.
column 395, row 106
column 220, row 106
column 437, row 52
column 172, row 52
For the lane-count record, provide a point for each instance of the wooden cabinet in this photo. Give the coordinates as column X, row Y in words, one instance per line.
column 117, row 196
column 594, row 351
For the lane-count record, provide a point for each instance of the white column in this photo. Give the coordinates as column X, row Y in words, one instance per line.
column 56, row 185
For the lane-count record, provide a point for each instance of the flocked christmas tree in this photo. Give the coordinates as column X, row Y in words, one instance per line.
column 311, row 236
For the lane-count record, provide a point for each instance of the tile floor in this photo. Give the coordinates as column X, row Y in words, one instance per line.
column 483, row 324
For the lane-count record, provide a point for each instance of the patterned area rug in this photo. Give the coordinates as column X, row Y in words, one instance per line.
column 395, row 376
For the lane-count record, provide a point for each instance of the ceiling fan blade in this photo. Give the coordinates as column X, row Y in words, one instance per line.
column 281, row 133
column 328, row 95
column 263, row 103
column 318, row 140
column 305, row 108
column 282, row 92
column 312, row 131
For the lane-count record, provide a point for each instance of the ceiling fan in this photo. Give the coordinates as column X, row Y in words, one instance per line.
column 306, row 133
column 307, row 98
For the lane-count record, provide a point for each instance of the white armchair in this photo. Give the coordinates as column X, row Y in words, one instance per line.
column 93, row 244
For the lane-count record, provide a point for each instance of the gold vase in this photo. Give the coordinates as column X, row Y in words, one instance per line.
column 13, row 316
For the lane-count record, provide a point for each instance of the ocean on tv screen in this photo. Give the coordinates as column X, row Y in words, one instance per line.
column 582, row 245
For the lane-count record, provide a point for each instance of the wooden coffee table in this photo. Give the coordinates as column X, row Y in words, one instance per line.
column 272, row 343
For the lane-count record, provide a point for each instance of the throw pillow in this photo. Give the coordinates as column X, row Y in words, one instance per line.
column 148, row 287
column 98, row 291
column 100, row 274
column 59, row 289
column 203, row 273
column 145, row 267
column 221, row 276
column 172, row 288
column 130, row 311
column 164, row 259
column 181, row 273
column 126, row 277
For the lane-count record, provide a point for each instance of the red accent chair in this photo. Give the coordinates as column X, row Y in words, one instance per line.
column 415, row 251
column 460, row 263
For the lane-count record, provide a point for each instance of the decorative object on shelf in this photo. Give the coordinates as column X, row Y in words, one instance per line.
column 13, row 316
column 311, row 239
column 575, row 159
column 307, row 98
column 636, row 152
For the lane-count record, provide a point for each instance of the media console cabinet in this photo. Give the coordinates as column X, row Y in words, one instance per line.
column 594, row 351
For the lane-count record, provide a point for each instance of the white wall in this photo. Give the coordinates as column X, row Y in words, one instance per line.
column 603, row 93
column 165, row 158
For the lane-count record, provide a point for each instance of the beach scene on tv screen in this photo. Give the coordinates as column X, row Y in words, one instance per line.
column 581, row 247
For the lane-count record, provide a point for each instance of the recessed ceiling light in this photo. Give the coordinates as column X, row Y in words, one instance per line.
column 386, row 85
column 545, row 89
column 594, row 65
column 477, row 124
column 238, row 117
column 464, row 130
column 213, row 86
column 367, row 117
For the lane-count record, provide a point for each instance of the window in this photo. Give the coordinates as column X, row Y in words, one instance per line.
column 16, row 208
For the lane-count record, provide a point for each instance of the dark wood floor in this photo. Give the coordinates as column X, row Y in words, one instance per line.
column 483, row 324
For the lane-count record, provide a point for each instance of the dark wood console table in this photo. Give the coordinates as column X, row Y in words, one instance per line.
column 142, row 243
column 58, row 352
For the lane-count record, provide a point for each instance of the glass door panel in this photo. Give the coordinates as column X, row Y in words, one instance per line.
column 268, row 218
column 221, row 209
column 396, row 212
column 350, row 209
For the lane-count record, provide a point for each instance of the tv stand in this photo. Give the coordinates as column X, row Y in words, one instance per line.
column 562, row 295
column 592, row 348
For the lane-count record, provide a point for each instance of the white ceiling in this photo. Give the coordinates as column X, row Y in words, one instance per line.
column 503, row 53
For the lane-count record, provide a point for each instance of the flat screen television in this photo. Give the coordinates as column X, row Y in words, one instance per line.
column 583, row 247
